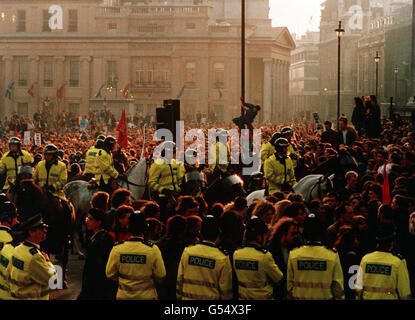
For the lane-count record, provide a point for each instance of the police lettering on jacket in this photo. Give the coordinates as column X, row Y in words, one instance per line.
column 202, row 262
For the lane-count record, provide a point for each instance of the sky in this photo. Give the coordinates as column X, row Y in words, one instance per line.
column 296, row 14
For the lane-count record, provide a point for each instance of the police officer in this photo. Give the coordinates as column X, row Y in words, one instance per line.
column 254, row 266
column 136, row 264
column 205, row 271
column 11, row 161
column 105, row 165
column 90, row 158
column 50, row 174
column 219, row 165
column 30, row 272
column 165, row 178
column 314, row 272
column 293, row 152
column 383, row 274
column 268, row 149
column 7, row 221
column 278, row 169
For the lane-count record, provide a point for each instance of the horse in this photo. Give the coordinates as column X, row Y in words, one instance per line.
column 80, row 194
column 224, row 190
column 319, row 183
column 310, row 187
column 31, row 200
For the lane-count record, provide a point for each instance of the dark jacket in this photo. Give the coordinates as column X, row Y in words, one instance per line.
column 350, row 137
column 95, row 284
column 171, row 251
column 329, row 136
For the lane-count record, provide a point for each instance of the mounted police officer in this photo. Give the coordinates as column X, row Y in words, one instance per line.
column 314, row 272
column 12, row 160
column 90, row 158
column 194, row 179
column 383, row 274
column 293, row 151
column 30, row 273
column 254, row 266
column 8, row 218
column 268, row 149
column 136, row 264
column 165, row 178
column 205, row 271
column 105, row 172
column 278, row 169
column 221, row 150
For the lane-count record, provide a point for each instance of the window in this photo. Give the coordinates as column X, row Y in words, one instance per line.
column 74, row 108
column 21, row 21
column 23, row 109
column 46, row 17
column 22, row 74
column 191, row 72
column 74, row 74
column 112, row 26
column 112, row 72
column 48, row 74
column 140, row 79
column 73, row 21
column 219, row 73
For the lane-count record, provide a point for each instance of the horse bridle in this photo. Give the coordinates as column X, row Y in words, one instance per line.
column 318, row 184
column 135, row 184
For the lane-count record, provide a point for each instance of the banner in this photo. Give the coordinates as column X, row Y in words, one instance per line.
column 319, row 125
column 38, row 139
column 26, row 138
column 122, row 131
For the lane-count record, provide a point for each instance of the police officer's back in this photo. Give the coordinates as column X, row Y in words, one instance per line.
column 7, row 220
column 383, row 274
column 314, row 272
column 205, row 272
column 254, row 266
column 30, row 271
column 136, row 264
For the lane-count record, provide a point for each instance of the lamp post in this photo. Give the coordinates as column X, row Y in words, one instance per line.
column 339, row 32
column 377, row 59
column 396, row 71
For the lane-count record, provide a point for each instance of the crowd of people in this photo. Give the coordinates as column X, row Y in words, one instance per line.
column 173, row 246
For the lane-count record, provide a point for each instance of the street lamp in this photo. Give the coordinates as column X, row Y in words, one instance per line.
column 339, row 32
column 396, row 71
column 377, row 59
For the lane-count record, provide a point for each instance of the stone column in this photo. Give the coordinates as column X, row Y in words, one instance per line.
column 8, row 77
column 33, row 76
column 279, row 91
column 267, row 90
column 84, row 83
column 59, row 79
column 204, row 85
column 275, row 92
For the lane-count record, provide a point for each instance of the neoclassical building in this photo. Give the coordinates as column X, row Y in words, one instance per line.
column 155, row 49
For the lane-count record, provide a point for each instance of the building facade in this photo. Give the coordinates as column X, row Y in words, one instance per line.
column 304, row 80
column 134, row 54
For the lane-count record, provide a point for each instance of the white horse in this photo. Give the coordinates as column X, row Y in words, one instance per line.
column 80, row 195
column 313, row 186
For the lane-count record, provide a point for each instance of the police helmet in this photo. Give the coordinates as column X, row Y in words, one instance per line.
column 99, row 144
column 256, row 226
column 7, row 210
column 281, row 143
column 75, row 168
column 14, row 141
column 313, row 228
column 287, row 131
column 78, row 155
column 109, row 142
column 50, row 149
column 60, row 153
column 38, row 157
column 72, row 157
column 137, row 223
column 101, row 137
column 274, row 138
column 66, row 162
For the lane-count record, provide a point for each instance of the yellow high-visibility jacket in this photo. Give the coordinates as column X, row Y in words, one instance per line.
column 10, row 164
column 314, row 272
column 105, row 167
column 276, row 175
column 136, row 265
column 56, row 177
column 162, row 177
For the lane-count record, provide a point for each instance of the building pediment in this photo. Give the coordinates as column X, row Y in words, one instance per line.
column 284, row 38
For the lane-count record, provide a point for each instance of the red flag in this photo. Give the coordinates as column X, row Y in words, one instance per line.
column 386, row 198
column 59, row 92
column 30, row 91
column 122, row 130
column 16, row 133
column 126, row 90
